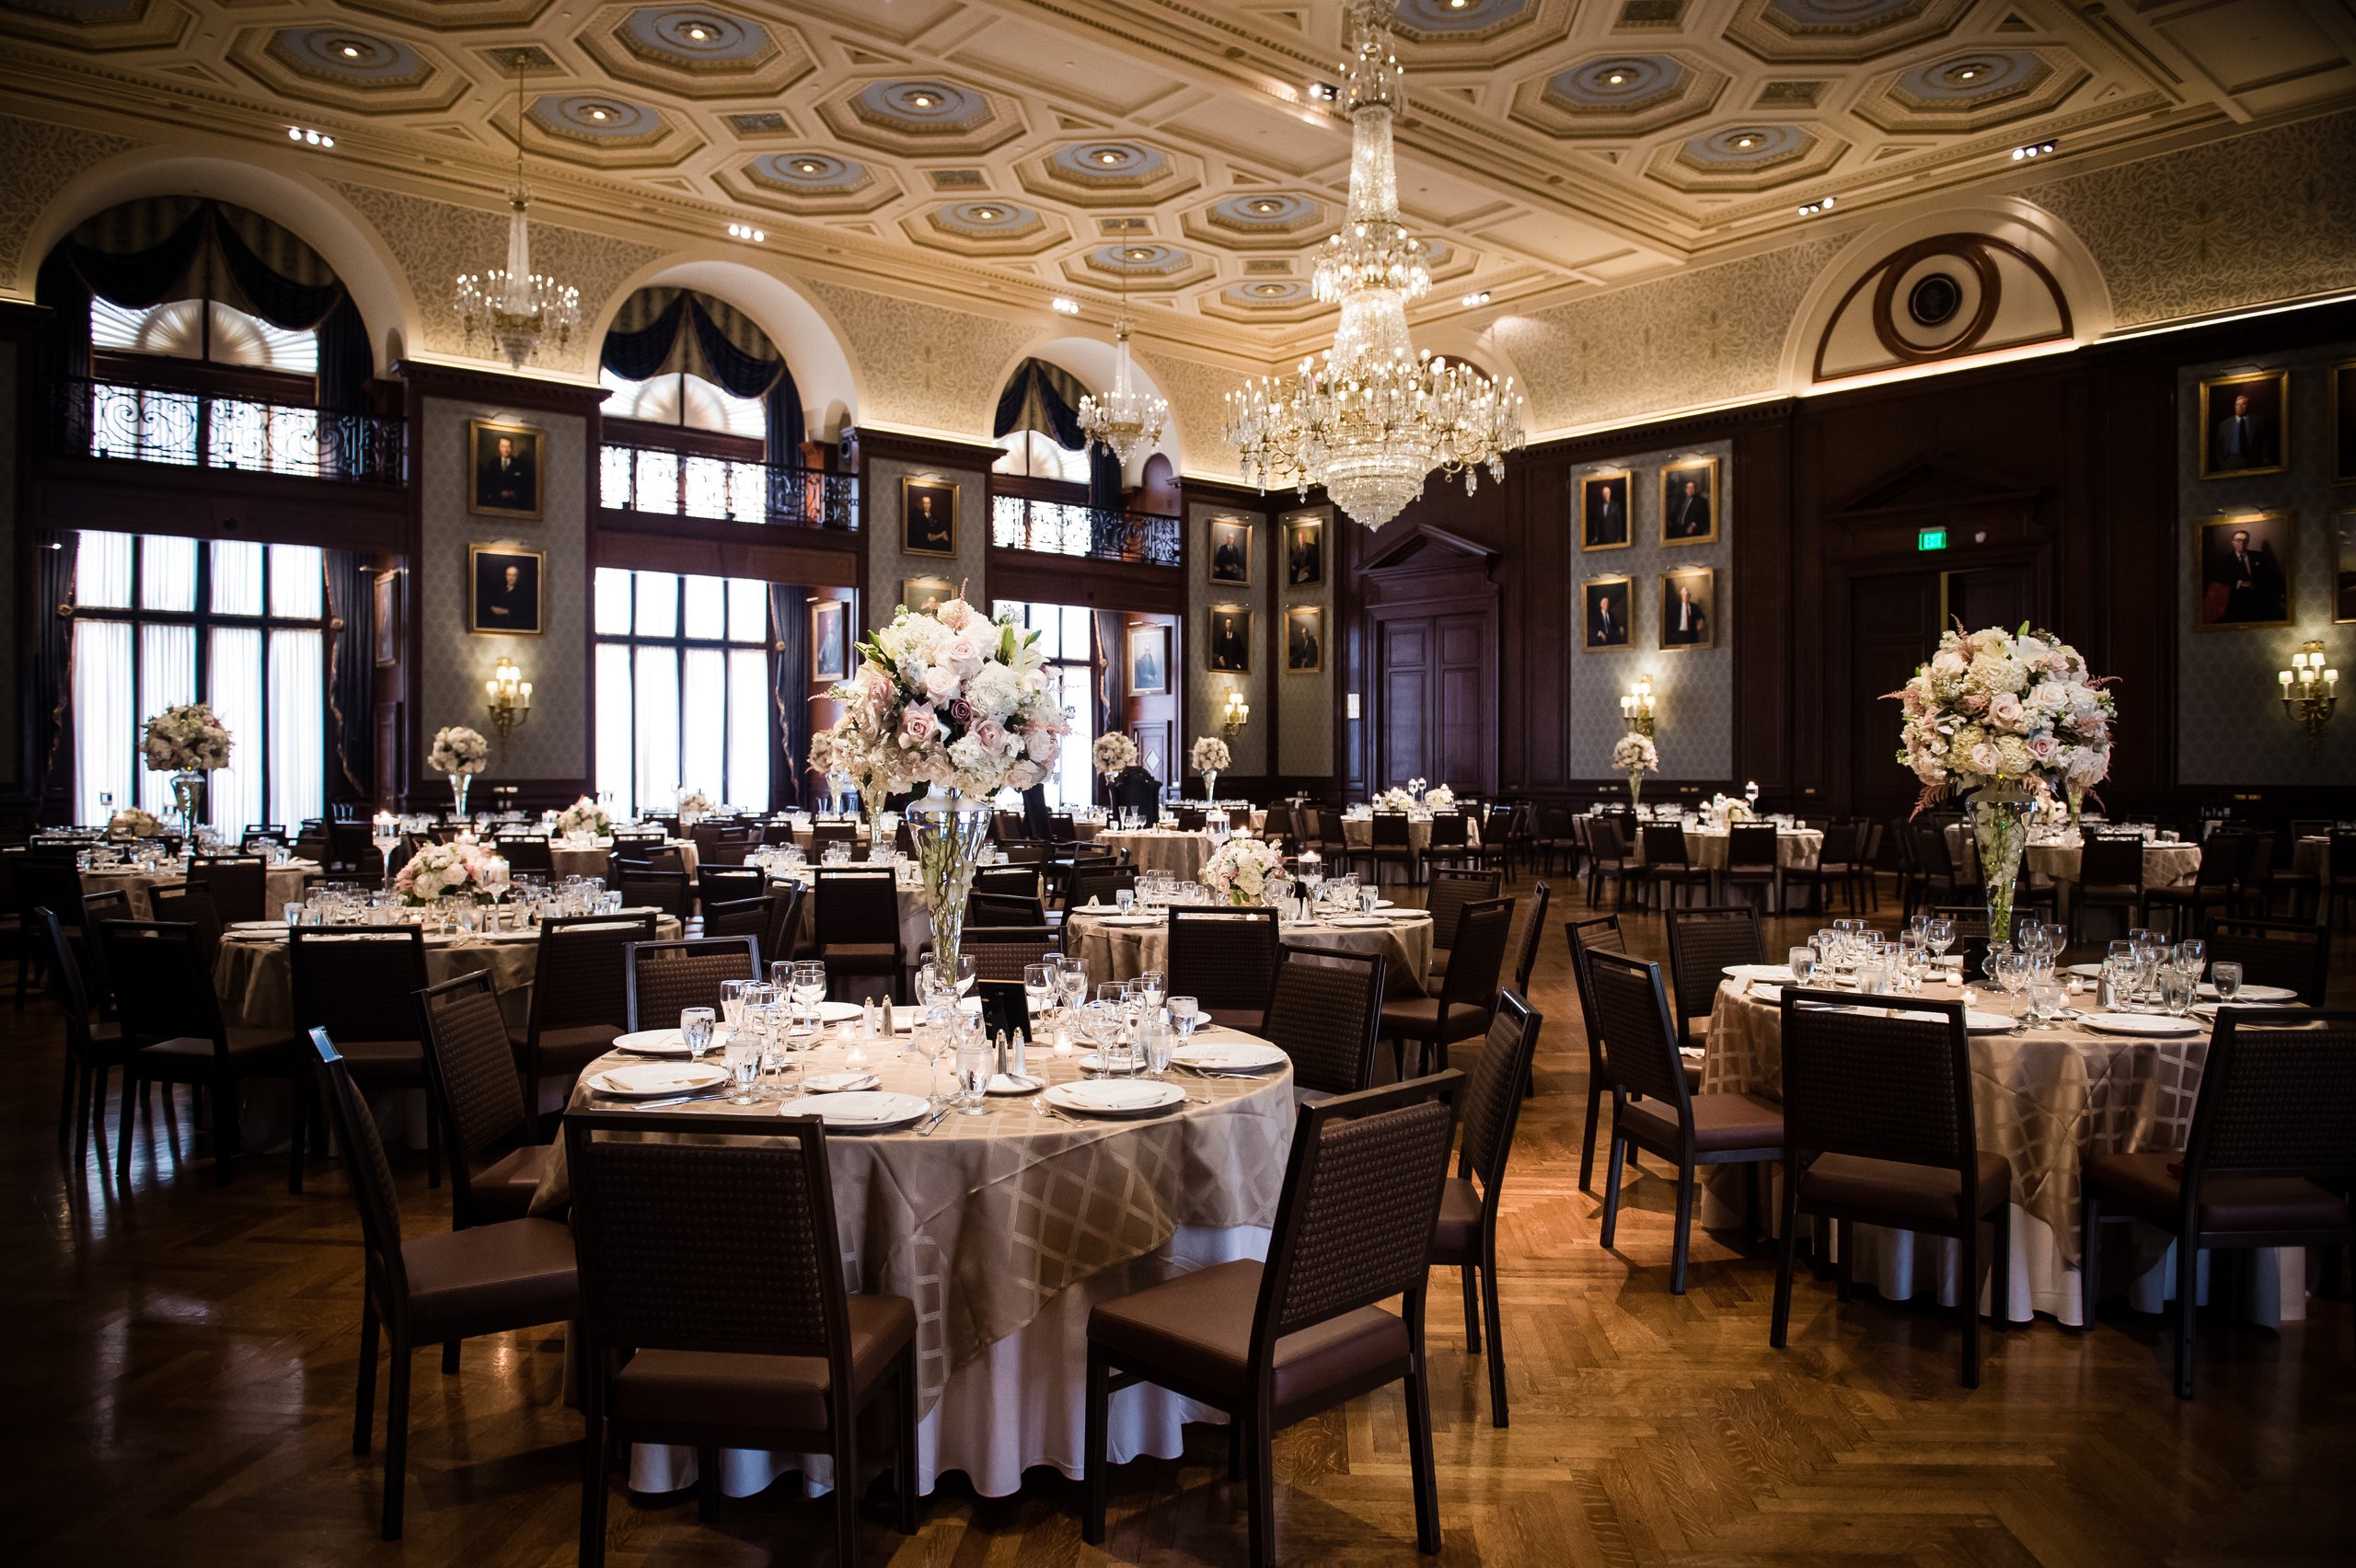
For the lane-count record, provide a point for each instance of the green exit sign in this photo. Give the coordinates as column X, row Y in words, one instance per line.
column 1930, row 539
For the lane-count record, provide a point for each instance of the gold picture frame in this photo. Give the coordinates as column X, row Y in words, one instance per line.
column 1304, row 542
column 922, row 595
column 505, row 484
column 2343, row 422
column 1598, row 528
column 1701, row 583
column 1228, row 641
column 1596, row 591
column 1230, row 552
column 829, row 653
column 1677, row 513
column 1305, row 640
column 500, row 580
column 2261, row 591
column 2267, row 413
column 927, row 524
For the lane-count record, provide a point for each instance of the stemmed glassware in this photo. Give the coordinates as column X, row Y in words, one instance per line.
column 744, row 1051
column 695, row 1031
column 1187, row 1013
column 809, row 984
column 1039, row 991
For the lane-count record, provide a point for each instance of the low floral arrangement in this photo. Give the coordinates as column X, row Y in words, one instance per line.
column 952, row 701
column 1393, row 800
column 1417, row 787
column 694, row 802
column 1114, row 752
column 2014, row 709
column 461, row 868
column 584, row 816
column 1726, row 809
column 132, row 823
column 1239, row 872
column 1210, row 755
column 1439, row 797
column 826, row 752
column 188, row 738
column 458, row 750
column 1635, row 754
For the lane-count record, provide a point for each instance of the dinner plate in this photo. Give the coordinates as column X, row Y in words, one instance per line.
column 1131, row 921
column 2211, row 1009
column 1357, row 922
column 651, row 1080
column 1115, row 1097
column 859, row 1109
column 2087, row 970
column 1779, row 973
column 1008, row 1085
column 904, row 1019
column 1231, row 1056
column 1977, row 1022
column 2150, row 1025
column 2254, row 994
column 257, row 927
column 837, row 1083
column 658, row 1042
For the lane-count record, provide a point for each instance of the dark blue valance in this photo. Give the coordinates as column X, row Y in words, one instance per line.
column 1031, row 393
column 645, row 351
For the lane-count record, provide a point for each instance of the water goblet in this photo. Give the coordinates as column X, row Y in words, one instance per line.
column 2192, row 956
column 810, row 987
column 1940, row 933
column 2226, row 976
column 1187, row 1012
column 1152, row 984
column 1123, row 899
column 731, row 1001
column 1802, row 963
column 744, row 1053
column 2175, row 992
column 1038, row 989
column 695, row 1031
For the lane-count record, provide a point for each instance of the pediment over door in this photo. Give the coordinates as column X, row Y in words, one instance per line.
column 1969, row 498
column 1424, row 562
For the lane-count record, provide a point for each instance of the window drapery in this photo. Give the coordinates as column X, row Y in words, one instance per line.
column 687, row 329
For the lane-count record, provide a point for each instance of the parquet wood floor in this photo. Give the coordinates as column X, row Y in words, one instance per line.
column 180, row 1387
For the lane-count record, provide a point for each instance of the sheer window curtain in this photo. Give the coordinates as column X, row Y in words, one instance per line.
column 104, row 724
column 298, row 726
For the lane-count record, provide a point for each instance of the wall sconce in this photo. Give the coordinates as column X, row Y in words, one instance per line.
column 1636, row 706
column 1236, row 714
column 508, row 698
column 2309, row 692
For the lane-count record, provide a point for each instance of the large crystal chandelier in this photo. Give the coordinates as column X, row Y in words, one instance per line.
column 1372, row 417
column 1124, row 419
column 512, row 305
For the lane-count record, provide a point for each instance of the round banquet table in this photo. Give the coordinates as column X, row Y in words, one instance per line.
column 1163, row 850
column 916, row 921
column 281, row 884
column 2044, row 1100
column 1004, row 1229
column 2311, row 857
column 2058, row 856
column 565, row 861
column 1796, row 847
column 1117, row 948
column 1357, row 832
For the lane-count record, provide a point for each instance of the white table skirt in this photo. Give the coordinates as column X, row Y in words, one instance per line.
column 1025, row 1402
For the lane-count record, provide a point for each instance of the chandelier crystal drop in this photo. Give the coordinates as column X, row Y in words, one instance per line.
column 1124, row 419
column 1372, row 417
column 513, row 306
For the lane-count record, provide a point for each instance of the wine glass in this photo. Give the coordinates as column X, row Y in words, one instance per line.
column 932, row 1036
column 1038, row 989
column 1152, row 984
column 1075, row 978
column 731, row 1001
column 1940, row 933
column 810, row 987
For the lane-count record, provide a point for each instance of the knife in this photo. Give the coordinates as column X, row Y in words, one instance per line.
column 926, row 1131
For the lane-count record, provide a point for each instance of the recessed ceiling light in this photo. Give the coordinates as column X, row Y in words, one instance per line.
column 1134, row 254
column 1266, row 206
column 922, row 100
column 1810, row 208
column 1474, row 299
column 1746, row 141
column 2033, row 150
column 1067, row 306
column 745, row 231
column 599, row 114
column 698, row 34
column 987, row 214
column 1617, row 77
column 350, row 52
column 309, row 138
column 1967, row 73
column 1456, row 5
column 808, row 165
column 1108, row 157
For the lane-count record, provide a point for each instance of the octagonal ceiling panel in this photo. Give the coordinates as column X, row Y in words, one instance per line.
column 1619, row 95
column 698, row 52
column 1786, row 30
column 811, row 182
column 1260, row 220
column 1110, row 172
column 610, row 130
column 1483, row 33
column 468, row 14
column 1148, row 266
column 1746, row 157
column 367, row 72
column 101, row 25
column 921, row 117
column 987, row 227
column 1262, row 299
column 1970, row 90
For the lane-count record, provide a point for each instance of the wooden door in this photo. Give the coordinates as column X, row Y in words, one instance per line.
column 1991, row 596
column 1404, row 665
column 1893, row 627
column 1462, row 700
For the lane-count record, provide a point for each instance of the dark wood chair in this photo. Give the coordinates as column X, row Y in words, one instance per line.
column 856, row 926
column 240, row 884
column 1598, row 933
column 92, row 1051
column 1003, row 909
column 1450, row 842
column 1444, row 899
column 1665, row 866
column 1325, row 1014
column 1272, row 1344
column 1227, row 960
column 1754, row 860
column 1466, row 1238
column 1878, row 1130
column 360, row 984
column 647, row 885
column 1096, row 882
column 2225, row 855
column 748, row 918
column 781, row 937
column 580, row 995
column 1459, row 1008
column 1607, row 861
column 2110, row 876
column 2290, row 953
column 450, row 1286
column 717, row 884
column 186, row 903
column 1389, row 842
column 97, row 908
column 1003, row 952
column 1702, row 943
column 524, row 852
column 1937, row 880
column 487, row 1131
column 664, row 979
column 714, row 1312
column 1653, row 1109
column 2269, row 1162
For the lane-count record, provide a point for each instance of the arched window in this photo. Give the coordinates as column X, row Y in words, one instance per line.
column 203, row 329
column 684, row 401
column 1033, row 455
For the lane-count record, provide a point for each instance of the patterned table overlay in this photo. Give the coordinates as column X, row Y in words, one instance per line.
column 1115, row 951
column 1797, row 850
column 1357, row 832
column 282, row 885
column 2165, row 865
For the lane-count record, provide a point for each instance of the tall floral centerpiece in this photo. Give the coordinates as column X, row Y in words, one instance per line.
column 2004, row 719
column 1635, row 755
column 186, row 742
column 584, row 817
column 461, row 753
column 959, row 706
column 694, row 806
column 827, row 761
column 1113, row 752
column 1240, row 873
column 1209, row 756
column 132, row 823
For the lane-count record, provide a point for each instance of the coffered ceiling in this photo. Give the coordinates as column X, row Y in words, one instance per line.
column 1177, row 149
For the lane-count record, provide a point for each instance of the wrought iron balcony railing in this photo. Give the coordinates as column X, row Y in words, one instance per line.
column 120, row 420
column 1059, row 528
column 668, row 483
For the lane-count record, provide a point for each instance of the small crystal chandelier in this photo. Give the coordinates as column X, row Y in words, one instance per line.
column 1373, row 417
column 514, row 305
column 1124, row 418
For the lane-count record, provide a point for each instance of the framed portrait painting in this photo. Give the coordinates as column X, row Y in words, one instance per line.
column 830, row 658
column 385, row 605
column 2344, row 580
column 1604, row 606
column 1604, row 523
column 2243, row 565
column 928, row 517
column 2343, row 423
column 1230, row 552
column 922, row 595
column 1689, row 608
column 1304, row 640
column 1148, row 661
column 503, row 473
column 1304, row 550
column 2245, row 424
column 1231, row 640
column 1689, row 502
column 503, row 590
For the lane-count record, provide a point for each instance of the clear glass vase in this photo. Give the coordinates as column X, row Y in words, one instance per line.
column 188, row 788
column 1635, row 788
column 2000, row 835
column 1210, row 785
column 458, row 785
column 950, row 831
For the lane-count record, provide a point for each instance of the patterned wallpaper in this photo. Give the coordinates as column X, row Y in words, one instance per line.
column 2230, row 724
column 36, row 161
column 2266, row 216
column 448, row 690
column 1305, row 744
column 1207, row 693
column 925, row 366
column 887, row 565
column 9, row 645
column 1692, row 689
column 1197, row 395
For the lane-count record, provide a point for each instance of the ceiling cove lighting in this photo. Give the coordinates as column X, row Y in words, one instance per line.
column 1067, row 306
column 1473, row 300
column 1810, row 208
column 2033, row 150
column 746, row 232
column 319, row 139
column 1373, row 417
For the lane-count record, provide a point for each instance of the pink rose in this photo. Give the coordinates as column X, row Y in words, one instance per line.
column 963, row 655
column 2005, row 709
column 990, row 734
column 1022, row 774
column 1986, row 759
column 1975, row 703
column 2045, row 748
column 918, row 726
column 954, row 614
column 1040, row 742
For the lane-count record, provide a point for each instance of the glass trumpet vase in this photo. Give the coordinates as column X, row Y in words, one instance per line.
column 950, row 831
column 459, row 782
column 2000, row 835
column 189, row 787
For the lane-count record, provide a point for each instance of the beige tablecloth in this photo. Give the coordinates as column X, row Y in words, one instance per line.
column 1795, row 848
column 1115, row 951
column 2044, row 1100
column 1003, row 1229
column 565, row 861
column 282, row 885
column 2165, row 865
column 2311, row 858
column 916, row 923
column 1181, row 855
column 1357, row 832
